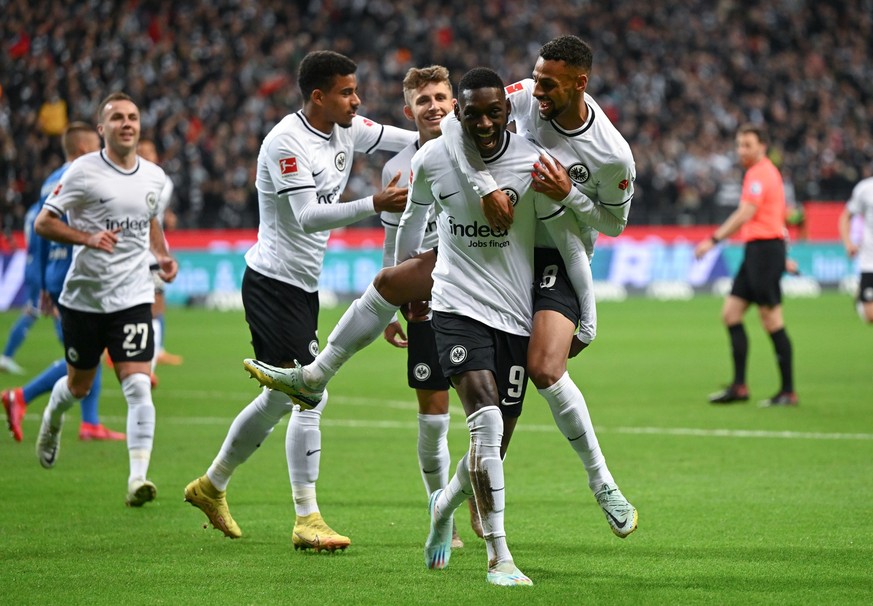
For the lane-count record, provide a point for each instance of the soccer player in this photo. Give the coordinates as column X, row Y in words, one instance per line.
column 53, row 260
column 427, row 94
column 594, row 175
column 861, row 204
column 110, row 198
column 303, row 167
column 760, row 220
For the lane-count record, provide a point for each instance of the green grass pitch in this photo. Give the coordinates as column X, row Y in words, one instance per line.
column 737, row 505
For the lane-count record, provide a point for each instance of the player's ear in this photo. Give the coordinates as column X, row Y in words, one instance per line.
column 317, row 97
column 407, row 111
column 508, row 107
column 581, row 82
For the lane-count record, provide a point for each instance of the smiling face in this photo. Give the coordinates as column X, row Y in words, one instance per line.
column 426, row 106
column 484, row 114
column 559, row 88
column 120, row 128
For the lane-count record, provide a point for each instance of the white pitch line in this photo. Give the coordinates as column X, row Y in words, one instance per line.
column 411, row 406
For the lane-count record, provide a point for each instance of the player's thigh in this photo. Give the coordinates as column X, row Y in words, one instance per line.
column 84, row 336
column 423, row 370
column 465, row 345
column 409, row 281
column 130, row 334
column 282, row 319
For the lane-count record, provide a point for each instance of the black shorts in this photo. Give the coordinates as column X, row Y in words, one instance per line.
column 422, row 361
column 552, row 287
column 758, row 278
column 127, row 334
column 465, row 345
column 283, row 319
column 865, row 288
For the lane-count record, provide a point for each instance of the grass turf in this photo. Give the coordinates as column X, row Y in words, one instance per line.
column 738, row 505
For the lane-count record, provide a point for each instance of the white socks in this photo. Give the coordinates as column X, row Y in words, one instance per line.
column 486, row 476
column 137, row 391
column 361, row 324
column 250, row 427
column 59, row 402
column 571, row 416
column 458, row 490
column 303, row 452
column 433, row 450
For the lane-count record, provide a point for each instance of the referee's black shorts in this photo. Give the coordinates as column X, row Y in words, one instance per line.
column 757, row 280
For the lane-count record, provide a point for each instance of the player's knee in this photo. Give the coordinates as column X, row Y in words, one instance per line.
column 384, row 283
column 544, row 374
column 79, row 391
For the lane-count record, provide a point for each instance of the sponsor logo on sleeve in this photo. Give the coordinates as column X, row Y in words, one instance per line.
column 288, row 165
column 623, row 184
column 755, row 187
column 368, row 122
column 514, row 88
column 57, row 190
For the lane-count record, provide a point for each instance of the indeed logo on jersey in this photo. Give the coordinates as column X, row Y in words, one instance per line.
column 128, row 226
column 481, row 231
column 330, row 197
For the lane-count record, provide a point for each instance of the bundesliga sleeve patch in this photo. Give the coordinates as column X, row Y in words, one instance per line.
column 57, row 190
column 512, row 88
column 288, row 165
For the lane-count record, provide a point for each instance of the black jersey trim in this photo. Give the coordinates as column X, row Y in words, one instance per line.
column 560, row 211
column 114, row 167
column 389, row 223
column 619, row 203
column 311, row 128
column 291, row 189
column 495, row 157
column 378, row 140
column 54, row 209
column 420, row 203
column 580, row 131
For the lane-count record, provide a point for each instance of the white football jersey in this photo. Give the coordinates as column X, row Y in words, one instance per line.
column 596, row 156
column 861, row 203
column 402, row 163
column 480, row 273
column 96, row 194
column 296, row 158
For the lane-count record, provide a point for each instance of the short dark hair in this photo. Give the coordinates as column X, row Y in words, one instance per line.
column 758, row 130
column 116, row 96
column 479, row 77
column 71, row 135
column 570, row 49
column 319, row 68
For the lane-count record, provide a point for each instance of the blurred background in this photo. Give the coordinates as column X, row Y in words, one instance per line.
column 676, row 78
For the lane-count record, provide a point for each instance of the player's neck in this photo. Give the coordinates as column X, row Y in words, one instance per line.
column 125, row 159
column 573, row 120
column 318, row 122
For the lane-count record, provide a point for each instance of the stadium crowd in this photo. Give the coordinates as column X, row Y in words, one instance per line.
column 676, row 78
